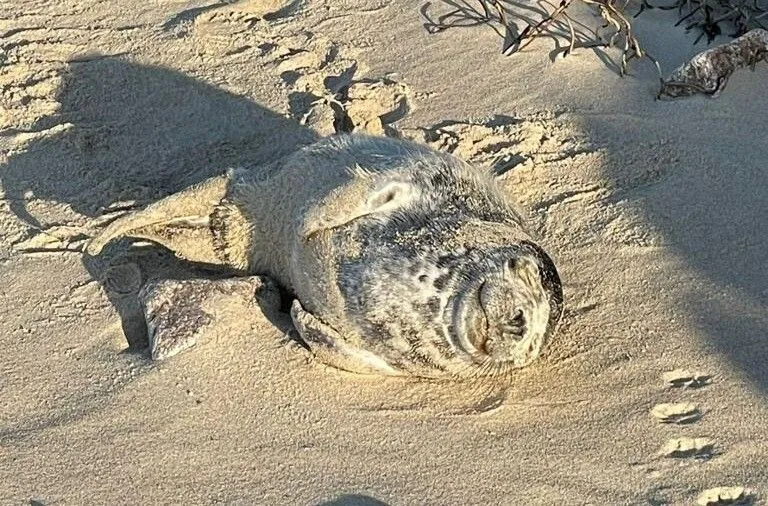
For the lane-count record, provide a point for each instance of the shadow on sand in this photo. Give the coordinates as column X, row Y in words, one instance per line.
column 719, row 226
column 133, row 134
column 709, row 201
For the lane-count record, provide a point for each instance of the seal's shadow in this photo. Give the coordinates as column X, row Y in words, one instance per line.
column 133, row 134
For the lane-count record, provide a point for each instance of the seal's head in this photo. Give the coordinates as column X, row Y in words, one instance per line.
column 430, row 271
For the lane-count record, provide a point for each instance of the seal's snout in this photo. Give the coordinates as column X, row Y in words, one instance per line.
column 514, row 311
column 499, row 306
column 500, row 294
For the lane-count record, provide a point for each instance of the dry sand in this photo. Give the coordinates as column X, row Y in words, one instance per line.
column 657, row 213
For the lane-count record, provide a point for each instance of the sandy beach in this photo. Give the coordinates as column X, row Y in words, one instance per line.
column 656, row 213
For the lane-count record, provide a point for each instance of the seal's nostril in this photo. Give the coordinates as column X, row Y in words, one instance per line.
column 514, row 328
column 511, row 263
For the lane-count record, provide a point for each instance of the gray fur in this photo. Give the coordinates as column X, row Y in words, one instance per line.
column 403, row 260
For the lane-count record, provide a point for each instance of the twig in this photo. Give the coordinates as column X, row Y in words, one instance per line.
column 531, row 32
column 571, row 31
column 706, row 15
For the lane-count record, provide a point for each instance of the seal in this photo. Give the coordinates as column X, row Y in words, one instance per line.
column 401, row 259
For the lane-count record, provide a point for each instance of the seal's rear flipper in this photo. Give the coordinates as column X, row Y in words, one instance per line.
column 330, row 347
column 182, row 313
column 197, row 224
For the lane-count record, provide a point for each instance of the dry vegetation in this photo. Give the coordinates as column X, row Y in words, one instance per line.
column 709, row 18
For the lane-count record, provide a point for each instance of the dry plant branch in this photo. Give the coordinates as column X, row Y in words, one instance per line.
column 707, row 73
column 530, row 32
column 713, row 17
column 609, row 11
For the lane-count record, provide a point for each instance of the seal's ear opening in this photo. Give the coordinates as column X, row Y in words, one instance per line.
column 391, row 195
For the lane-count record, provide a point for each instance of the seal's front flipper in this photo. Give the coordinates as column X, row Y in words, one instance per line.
column 330, row 347
column 197, row 224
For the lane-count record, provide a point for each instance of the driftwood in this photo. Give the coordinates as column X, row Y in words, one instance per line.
column 708, row 71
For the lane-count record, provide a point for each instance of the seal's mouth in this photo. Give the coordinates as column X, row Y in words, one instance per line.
column 470, row 321
column 478, row 326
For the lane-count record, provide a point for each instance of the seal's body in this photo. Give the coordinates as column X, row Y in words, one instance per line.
column 402, row 259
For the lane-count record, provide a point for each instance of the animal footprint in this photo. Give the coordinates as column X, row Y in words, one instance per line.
column 367, row 105
column 724, row 495
column 678, row 413
column 325, row 94
column 680, row 378
column 685, row 447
